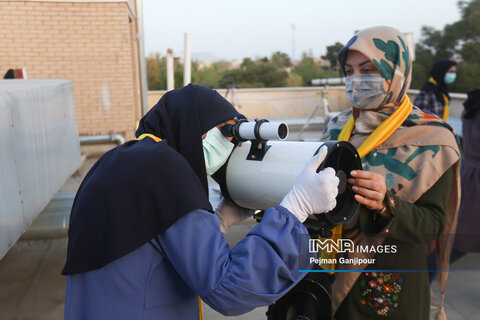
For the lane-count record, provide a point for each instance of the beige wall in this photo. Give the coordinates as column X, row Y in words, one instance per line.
column 91, row 43
column 298, row 102
column 273, row 103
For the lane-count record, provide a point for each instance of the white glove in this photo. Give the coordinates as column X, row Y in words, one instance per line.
column 313, row 192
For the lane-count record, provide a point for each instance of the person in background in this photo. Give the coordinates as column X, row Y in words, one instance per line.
column 434, row 96
column 408, row 188
column 468, row 228
column 143, row 242
column 10, row 74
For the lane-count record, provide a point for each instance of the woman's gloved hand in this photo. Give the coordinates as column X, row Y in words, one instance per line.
column 313, row 192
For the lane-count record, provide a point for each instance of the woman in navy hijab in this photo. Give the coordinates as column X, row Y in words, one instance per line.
column 434, row 96
column 143, row 242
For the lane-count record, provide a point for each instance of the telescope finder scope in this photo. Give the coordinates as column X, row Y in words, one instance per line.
column 261, row 130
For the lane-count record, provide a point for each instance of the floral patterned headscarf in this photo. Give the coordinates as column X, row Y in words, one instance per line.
column 425, row 145
column 388, row 50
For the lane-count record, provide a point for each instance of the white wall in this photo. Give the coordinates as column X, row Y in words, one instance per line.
column 39, row 150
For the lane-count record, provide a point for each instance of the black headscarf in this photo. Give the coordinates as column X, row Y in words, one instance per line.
column 137, row 190
column 438, row 72
column 472, row 105
column 10, row 74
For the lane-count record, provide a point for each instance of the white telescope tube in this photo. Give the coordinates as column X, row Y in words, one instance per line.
column 326, row 81
column 263, row 184
column 267, row 130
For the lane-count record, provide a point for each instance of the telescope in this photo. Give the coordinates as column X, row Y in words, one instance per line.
column 326, row 81
column 261, row 170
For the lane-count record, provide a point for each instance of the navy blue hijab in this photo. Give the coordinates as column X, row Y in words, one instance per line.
column 438, row 72
column 137, row 190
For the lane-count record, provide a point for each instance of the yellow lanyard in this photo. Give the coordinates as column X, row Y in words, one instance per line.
column 200, row 308
column 445, row 98
column 376, row 138
column 157, row 139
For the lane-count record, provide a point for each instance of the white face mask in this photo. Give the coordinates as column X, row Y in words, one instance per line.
column 365, row 91
column 216, row 150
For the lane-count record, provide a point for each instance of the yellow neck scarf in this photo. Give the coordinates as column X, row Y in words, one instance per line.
column 376, row 138
column 383, row 131
column 445, row 98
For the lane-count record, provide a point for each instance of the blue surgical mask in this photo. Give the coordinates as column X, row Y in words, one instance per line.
column 216, row 150
column 365, row 91
column 450, row 77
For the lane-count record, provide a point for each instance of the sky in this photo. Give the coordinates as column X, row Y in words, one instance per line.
column 225, row 29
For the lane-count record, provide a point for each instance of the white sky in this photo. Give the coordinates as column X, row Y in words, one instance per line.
column 256, row 28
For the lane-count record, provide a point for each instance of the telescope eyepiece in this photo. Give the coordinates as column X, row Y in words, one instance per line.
column 227, row 130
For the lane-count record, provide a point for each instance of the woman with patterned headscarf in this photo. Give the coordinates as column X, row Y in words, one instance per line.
column 434, row 96
column 408, row 189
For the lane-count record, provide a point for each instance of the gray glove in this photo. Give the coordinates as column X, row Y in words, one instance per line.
column 313, row 192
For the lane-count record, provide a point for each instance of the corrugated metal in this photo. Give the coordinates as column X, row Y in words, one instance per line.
column 39, row 150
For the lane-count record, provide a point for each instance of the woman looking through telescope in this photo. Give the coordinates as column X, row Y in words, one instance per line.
column 143, row 242
column 409, row 186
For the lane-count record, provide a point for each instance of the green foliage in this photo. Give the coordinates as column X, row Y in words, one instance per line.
column 421, row 67
column 154, row 72
column 210, row 76
column 280, row 59
column 470, row 51
column 459, row 41
column 294, row 80
column 256, row 74
column 178, row 76
column 157, row 73
column 468, row 26
column 308, row 69
column 264, row 72
column 468, row 78
column 437, row 42
column 332, row 55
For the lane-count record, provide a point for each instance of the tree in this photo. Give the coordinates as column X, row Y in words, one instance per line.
column 209, row 76
column 458, row 41
column 308, row 69
column 332, row 55
column 157, row 73
column 154, row 72
column 255, row 74
column 424, row 60
column 294, row 80
column 280, row 59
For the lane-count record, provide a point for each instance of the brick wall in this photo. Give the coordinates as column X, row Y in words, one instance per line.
column 88, row 42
